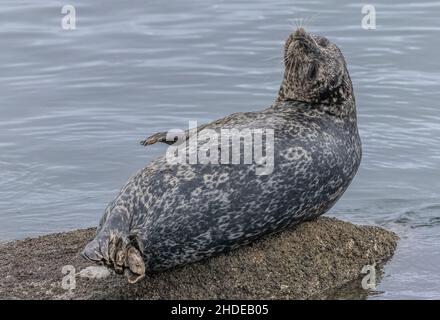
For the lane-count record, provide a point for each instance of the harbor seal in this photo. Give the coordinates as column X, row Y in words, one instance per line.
column 170, row 214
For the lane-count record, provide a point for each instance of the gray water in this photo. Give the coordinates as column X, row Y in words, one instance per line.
column 75, row 103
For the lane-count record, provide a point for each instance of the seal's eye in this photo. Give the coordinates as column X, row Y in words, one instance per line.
column 312, row 72
column 323, row 42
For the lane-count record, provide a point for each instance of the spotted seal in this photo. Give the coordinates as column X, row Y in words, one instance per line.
column 173, row 214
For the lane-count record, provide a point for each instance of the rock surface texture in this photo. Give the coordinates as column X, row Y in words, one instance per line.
column 305, row 262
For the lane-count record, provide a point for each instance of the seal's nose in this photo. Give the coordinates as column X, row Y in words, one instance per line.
column 300, row 33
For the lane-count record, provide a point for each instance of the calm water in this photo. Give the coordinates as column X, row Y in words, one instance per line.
column 75, row 104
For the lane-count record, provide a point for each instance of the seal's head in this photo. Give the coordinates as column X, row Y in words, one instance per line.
column 315, row 71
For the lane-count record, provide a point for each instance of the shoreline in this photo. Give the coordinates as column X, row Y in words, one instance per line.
column 313, row 260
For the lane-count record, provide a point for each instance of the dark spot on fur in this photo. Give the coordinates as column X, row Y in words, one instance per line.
column 312, row 71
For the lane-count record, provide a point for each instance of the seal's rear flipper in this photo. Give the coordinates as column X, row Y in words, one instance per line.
column 135, row 260
column 92, row 252
column 123, row 254
column 136, row 266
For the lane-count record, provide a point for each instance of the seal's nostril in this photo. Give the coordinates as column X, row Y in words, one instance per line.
column 300, row 35
column 300, row 32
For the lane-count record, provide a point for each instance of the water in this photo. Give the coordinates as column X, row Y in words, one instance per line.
column 75, row 103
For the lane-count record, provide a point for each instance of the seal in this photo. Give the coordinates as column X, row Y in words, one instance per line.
column 170, row 214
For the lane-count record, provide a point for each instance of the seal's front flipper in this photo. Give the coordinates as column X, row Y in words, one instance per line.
column 169, row 137
column 158, row 137
column 172, row 137
column 179, row 136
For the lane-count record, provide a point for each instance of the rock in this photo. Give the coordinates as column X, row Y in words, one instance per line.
column 312, row 260
column 94, row 272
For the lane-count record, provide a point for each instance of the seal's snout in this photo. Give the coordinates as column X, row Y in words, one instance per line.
column 302, row 37
column 299, row 34
column 303, row 41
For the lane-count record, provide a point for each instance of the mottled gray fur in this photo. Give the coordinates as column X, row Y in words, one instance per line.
column 177, row 214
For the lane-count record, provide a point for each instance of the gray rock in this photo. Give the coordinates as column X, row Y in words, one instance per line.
column 313, row 260
column 94, row 272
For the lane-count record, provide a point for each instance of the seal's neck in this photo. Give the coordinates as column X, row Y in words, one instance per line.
column 338, row 100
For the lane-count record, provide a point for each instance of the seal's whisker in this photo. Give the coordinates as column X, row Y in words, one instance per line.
column 306, row 21
column 277, row 57
column 288, row 56
column 292, row 23
column 301, row 22
column 314, row 41
column 310, row 18
column 298, row 23
column 290, row 68
column 271, row 58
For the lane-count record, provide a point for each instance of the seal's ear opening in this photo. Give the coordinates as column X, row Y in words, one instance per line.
column 92, row 252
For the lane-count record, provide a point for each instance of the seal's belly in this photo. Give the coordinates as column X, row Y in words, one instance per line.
column 200, row 210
